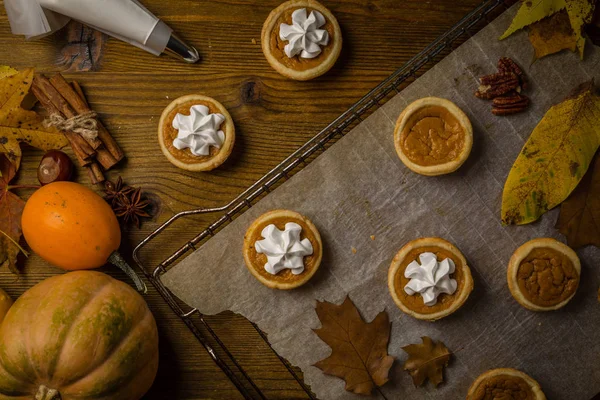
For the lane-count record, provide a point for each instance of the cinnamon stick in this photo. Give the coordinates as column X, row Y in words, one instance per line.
column 55, row 98
column 95, row 173
column 80, row 105
column 77, row 88
column 105, row 158
column 83, row 152
column 75, row 102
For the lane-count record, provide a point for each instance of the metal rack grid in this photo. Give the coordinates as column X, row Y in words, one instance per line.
column 406, row 74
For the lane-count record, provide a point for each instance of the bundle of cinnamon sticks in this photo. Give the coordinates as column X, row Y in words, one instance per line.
column 66, row 100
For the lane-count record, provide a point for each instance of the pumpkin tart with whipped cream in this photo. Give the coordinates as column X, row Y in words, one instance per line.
column 196, row 133
column 433, row 136
column 429, row 279
column 282, row 249
column 505, row 383
column 301, row 39
column 543, row 274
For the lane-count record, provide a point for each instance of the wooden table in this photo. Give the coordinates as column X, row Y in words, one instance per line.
column 273, row 117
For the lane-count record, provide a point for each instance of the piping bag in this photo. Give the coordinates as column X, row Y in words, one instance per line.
column 127, row 20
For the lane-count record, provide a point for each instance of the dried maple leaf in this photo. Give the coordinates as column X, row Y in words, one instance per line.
column 11, row 208
column 426, row 361
column 554, row 159
column 21, row 126
column 580, row 13
column 358, row 349
column 579, row 218
column 552, row 34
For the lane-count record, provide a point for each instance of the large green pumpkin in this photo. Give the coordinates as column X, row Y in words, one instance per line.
column 81, row 335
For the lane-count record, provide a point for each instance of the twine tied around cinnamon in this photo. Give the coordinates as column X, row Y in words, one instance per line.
column 84, row 124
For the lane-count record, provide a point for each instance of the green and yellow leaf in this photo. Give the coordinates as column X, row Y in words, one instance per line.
column 531, row 12
column 554, row 159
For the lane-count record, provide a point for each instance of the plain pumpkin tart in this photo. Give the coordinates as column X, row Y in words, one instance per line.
column 505, row 384
column 543, row 274
column 433, row 136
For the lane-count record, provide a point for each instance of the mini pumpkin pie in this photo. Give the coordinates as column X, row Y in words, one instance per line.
column 505, row 383
column 301, row 39
column 196, row 133
column 543, row 274
column 282, row 249
column 429, row 279
column 433, row 136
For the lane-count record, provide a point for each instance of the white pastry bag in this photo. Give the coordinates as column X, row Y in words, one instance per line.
column 127, row 20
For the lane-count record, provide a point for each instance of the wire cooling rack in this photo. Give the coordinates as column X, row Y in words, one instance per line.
column 401, row 78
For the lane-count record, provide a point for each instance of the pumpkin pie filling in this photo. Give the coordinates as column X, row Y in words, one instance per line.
column 258, row 260
column 546, row 277
column 432, row 136
column 298, row 63
column 170, row 133
column 415, row 302
column 504, row 387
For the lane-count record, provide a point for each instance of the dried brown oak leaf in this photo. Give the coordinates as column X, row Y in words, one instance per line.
column 579, row 218
column 358, row 349
column 11, row 208
column 22, row 126
column 426, row 361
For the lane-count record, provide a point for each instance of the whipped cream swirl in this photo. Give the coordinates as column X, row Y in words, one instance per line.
column 430, row 278
column 199, row 130
column 284, row 249
column 304, row 36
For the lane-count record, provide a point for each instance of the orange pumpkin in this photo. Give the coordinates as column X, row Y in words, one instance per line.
column 70, row 226
column 5, row 304
column 81, row 335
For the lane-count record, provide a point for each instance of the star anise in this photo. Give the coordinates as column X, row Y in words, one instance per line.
column 126, row 202
column 115, row 192
column 131, row 208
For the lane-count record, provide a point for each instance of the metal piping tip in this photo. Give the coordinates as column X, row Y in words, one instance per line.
column 181, row 50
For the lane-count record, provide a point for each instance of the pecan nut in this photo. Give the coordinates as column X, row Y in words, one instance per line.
column 507, row 65
column 510, row 104
column 496, row 85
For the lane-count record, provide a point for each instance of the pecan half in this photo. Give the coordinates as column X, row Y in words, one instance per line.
column 507, row 65
column 511, row 103
column 495, row 85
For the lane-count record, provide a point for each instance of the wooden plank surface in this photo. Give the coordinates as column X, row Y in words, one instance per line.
column 273, row 117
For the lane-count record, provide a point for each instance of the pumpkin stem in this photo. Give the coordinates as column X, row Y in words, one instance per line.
column 118, row 260
column 45, row 393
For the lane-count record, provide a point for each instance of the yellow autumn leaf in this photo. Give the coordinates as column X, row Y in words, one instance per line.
column 554, row 159
column 580, row 13
column 6, row 71
column 21, row 126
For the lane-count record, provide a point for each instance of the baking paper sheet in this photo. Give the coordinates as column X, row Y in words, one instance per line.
column 359, row 188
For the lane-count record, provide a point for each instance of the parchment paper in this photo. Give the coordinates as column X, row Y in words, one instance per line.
column 359, row 188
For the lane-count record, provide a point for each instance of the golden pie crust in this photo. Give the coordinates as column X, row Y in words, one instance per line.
column 184, row 159
column 505, row 383
column 543, row 274
column 255, row 262
column 413, row 304
column 296, row 67
column 433, row 136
